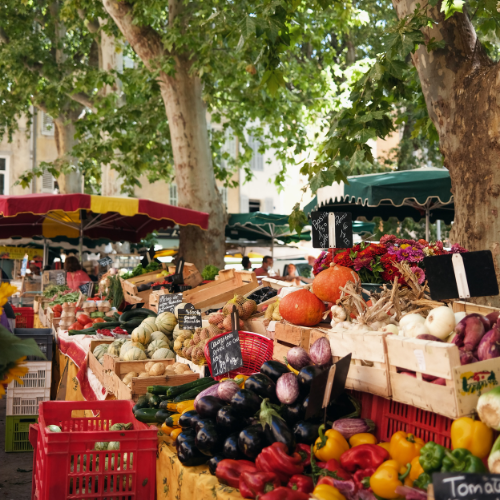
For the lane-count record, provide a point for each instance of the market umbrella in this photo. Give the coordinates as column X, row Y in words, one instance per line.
column 423, row 192
column 79, row 215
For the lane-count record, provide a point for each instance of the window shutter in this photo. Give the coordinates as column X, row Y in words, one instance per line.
column 173, row 195
column 244, row 204
column 47, row 124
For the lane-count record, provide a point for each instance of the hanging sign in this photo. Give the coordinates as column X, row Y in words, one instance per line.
column 453, row 485
column 105, row 262
column 24, row 265
column 168, row 301
column 331, row 229
column 461, row 275
column 87, row 288
column 189, row 317
column 225, row 351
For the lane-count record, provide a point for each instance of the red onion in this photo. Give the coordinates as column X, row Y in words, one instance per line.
column 350, row 426
column 287, row 388
column 439, row 381
column 428, row 336
column 297, row 357
column 467, row 357
column 470, row 330
column 321, row 352
column 489, row 346
column 227, row 389
column 493, row 317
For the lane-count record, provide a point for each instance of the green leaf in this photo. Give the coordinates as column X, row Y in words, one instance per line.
column 297, row 219
column 14, row 348
column 449, row 7
column 248, row 27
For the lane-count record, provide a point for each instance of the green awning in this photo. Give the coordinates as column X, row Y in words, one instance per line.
column 257, row 226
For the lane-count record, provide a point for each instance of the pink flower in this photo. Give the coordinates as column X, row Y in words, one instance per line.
column 416, row 255
column 419, row 273
column 403, row 254
column 361, row 262
column 456, row 248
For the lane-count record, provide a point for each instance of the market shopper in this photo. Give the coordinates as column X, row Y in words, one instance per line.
column 75, row 276
column 267, row 264
column 246, row 264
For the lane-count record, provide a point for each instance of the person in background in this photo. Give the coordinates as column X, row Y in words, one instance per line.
column 292, row 274
column 35, row 271
column 247, row 265
column 89, row 267
column 267, row 263
column 74, row 274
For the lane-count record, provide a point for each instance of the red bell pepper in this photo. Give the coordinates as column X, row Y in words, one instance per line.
column 301, row 483
column 253, row 484
column 362, row 478
column 284, row 494
column 364, row 456
column 334, row 466
column 229, row 471
column 304, row 450
column 275, row 459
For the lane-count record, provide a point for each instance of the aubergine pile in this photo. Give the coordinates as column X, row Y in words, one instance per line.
column 235, row 422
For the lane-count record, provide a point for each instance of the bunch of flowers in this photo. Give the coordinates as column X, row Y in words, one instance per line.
column 374, row 262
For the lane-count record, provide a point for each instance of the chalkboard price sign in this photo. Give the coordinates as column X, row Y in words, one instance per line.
column 452, row 486
column 225, row 351
column 55, row 277
column 189, row 318
column 168, row 301
column 105, row 262
column 331, row 229
column 87, row 288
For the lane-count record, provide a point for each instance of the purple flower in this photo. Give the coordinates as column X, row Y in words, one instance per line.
column 456, row 248
column 416, row 255
column 419, row 273
column 403, row 254
column 361, row 262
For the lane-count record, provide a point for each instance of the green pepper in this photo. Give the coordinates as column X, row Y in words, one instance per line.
column 431, row 457
column 423, row 481
column 462, row 460
column 97, row 314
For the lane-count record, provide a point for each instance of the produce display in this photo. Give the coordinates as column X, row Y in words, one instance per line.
column 153, row 369
column 53, row 291
column 138, row 270
column 263, row 294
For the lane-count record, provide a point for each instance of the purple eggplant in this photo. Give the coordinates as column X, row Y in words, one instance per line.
column 470, row 330
column 297, row 358
column 287, row 388
column 489, row 346
column 350, row 426
column 321, row 352
column 467, row 357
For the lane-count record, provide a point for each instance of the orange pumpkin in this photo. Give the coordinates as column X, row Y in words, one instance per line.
column 326, row 285
column 302, row 308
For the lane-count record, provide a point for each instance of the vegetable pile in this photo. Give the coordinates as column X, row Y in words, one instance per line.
column 138, row 270
column 210, row 272
column 52, row 290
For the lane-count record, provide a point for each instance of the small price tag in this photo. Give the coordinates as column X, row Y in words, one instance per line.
column 55, row 277
column 189, row 318
column 105, row 262
column 168, row 301
column 87, row 288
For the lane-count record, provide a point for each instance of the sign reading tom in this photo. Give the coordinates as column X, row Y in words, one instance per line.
column 331, row 229
column 327, row 386
column 189, row 317
column 168, row 301
column 461, row 275
column 105, row 262
column 225, row 351
column 55, row 277
column 87, row 288
column 450, row 486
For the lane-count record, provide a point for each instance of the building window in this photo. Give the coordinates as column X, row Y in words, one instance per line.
column 254, row 206
column 47, row 182
column 257, row 161
column 4, row 176
column 173, row 195
column 229, row 147
column 47, row 124
column 223, row 193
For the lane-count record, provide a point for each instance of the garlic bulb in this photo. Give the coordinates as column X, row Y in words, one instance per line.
column 338, row 314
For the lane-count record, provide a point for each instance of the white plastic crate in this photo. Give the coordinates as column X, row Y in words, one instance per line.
column 25, row 401
column 38, row 377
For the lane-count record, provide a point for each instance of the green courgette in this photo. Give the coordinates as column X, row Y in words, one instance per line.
column 142, row 402
column 186, row 396
column 159, row 390
column 106, row 325
column 179, row 389
column 86, row 331
column 137, row 313
column 131, row 325
column 163, row 397
column 162, row 415
column 146, row 415
column 109, row 318
column 154, row 401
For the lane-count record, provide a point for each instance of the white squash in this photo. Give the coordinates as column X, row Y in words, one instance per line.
column 158, row 336
column 157, row 344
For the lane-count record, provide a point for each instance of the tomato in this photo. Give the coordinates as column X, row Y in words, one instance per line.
column 83, row 319
column 98, row 320
column 88, row 325
column 76, row 326
column 57, row 314
column 57, row 307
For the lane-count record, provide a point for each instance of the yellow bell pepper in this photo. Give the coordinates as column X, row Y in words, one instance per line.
column 166, row 429
column 472, row 435
column 240, row 380
column 405, row 447
column 386, row 446
column 185, row 406
column 387, row 478
column 327, row 492
column 416, row 469
column 330, row 444
column 362, row 438
column 175, row 432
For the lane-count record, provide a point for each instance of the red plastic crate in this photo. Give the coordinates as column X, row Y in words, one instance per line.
column 255, row 351
column 66, row 466
column 390, row 417
column 24, row 317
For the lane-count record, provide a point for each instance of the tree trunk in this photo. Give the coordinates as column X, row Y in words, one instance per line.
column 461, row 86
column 64, row 134
column 186, row 113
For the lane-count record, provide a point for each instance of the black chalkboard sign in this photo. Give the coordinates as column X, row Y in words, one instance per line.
column 168, row 301
column 328, row 386
column 105, row 262
column 225, row 351
column 189, row 317
column 178, row 277
column 87, row 288
column 331, row 229
column 453, row 485
column 453, row 276
column 54, row 277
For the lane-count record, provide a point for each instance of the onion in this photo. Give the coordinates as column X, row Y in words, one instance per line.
column 414, row 329
column 459, row 316
column 440, row 322
column 410, row 318
column 321, row 352
column 227, row 389
column 391, row 329
column 297, row 357
column 287, row 388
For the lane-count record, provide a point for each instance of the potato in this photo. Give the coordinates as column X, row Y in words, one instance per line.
column 143, row 375
column 179, row 371
column 157, row 369
column 170, row 369
column 128, row 377
column 148, row 365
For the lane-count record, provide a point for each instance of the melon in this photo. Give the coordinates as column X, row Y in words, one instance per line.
column 326, row 285
column 124, row 348
column 166, row 322
column 100, row 350
column 134, row 354
column 114, row 348
column 177, row 307
column 302, row 308
column 157, row 344
column 163, row 354
column 141, row 334
column 158, row 336
column 139, row 345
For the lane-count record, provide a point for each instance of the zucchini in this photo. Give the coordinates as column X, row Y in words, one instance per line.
column 107, row 324
column 116, row 316
column 165, row 404
column 173, row 420
column 163, row 397
column 86, row 331
column 162, row 416
column 131, row 325
column 186, row 396
column 154, row 401
column 142, row 402
column 137, row 313
column 146, row 415
column 159, row 390
column 179, row 389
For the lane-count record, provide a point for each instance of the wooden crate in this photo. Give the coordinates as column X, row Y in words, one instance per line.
column 131, row 293
column 469, row 308
column 94, row 364
column 464, row 384
column 287, row 336
column 369, row 370
column 227, row 283
column 114, row 364
column 115, row 385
